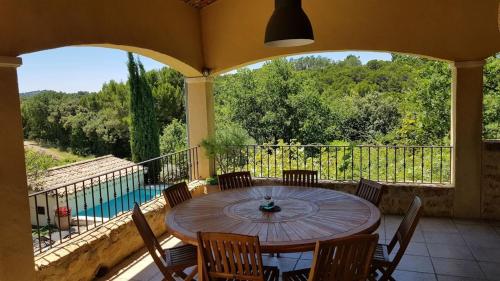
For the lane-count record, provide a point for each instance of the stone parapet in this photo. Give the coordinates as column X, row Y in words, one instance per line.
column 438, row 199
column 490, row 181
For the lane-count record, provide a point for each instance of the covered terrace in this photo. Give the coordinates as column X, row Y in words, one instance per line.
column 204, row 38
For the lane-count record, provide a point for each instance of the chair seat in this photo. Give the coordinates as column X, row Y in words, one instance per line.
column 185, row 255
column 381, row 256
column 271, row 273
column 296, row 275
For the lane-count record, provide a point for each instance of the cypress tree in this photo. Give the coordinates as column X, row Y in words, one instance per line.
column 144, row 134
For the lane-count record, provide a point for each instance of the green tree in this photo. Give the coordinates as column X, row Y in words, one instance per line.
column 316, row 100
column 405, row 101
column 144, row 135
column 491, row 120
column 167, row 85
column 37, row 164
column 311, row 62
column 108, row 123
column 226, row 145
column 174, row 137
column 42, row 115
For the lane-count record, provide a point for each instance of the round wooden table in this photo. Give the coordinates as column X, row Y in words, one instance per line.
column 307, row 215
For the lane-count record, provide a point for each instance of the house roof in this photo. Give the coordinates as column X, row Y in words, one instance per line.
column 79, row 174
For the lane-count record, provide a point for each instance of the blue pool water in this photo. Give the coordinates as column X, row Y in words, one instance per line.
column 122, row 203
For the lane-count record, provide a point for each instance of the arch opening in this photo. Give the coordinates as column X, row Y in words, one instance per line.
column 313, row 111
column 292, row 53
column 83, row 109
column 334, row 80
column 169, row 61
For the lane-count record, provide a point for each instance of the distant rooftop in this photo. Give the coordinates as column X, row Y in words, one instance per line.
column 99, row 169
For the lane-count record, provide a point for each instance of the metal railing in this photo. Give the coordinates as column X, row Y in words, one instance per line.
column 65, row 212
column 396, row 164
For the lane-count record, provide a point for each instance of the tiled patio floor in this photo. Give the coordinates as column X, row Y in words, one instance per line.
column 441, row 249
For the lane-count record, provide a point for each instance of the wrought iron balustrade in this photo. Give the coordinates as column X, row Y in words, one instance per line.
column 396, row 164
column 64, row 212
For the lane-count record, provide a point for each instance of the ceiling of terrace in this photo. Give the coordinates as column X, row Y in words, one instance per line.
column 199, row 3
column 229, row 34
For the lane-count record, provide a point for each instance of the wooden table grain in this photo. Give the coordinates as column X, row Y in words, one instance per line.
column 307, row 215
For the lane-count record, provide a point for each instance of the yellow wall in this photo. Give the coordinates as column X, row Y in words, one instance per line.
column 16, row 250
column 466, row 137
column 200, row 119
column 230, row 33
column 223, row 36
column 157, row 28
column 455, row 30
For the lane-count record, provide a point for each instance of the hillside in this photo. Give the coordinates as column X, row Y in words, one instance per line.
column 31, row 94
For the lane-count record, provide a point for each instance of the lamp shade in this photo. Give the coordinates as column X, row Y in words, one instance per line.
column 289, row 25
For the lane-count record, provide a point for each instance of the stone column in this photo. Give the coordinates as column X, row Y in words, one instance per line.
column 466, row 137
column 16, row 248
column 200, row 119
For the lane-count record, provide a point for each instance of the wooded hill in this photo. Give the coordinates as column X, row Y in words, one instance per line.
column 307, row 100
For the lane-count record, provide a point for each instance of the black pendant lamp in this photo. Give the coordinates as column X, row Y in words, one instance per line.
column 289, row 25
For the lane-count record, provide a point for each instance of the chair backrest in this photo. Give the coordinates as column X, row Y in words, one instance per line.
column 344, row 259
column 230, row 256
column 406, row 229
column 176, row 194
column 370, row 191
column 300, row 177
column 147, row 235
column 235, row 180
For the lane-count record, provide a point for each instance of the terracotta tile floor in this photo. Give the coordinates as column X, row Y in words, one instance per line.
column 441, row 249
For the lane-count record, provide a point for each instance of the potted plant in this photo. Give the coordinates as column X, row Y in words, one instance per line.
column 63, row 218
column 212, row 185
column 225, row 149
column 212, row 181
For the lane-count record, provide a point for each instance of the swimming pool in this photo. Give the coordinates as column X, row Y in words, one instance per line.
column 110, row 208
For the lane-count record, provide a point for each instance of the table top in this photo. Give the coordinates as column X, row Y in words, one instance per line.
column 307, row 215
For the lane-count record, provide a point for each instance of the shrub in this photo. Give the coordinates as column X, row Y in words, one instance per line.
column 226, row 145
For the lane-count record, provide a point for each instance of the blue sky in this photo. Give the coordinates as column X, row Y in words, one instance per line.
column 73, row 69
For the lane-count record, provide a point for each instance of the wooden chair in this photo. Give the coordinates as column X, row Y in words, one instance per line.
column 300, row 177
column 235, row 180
column 381, row 260
column 305, row 178
column 233, row 257
column 176, row 194
column 344, row 259
column 370, row 191
column 169, row 261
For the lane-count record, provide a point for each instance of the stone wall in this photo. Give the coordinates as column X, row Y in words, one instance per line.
column 438, row 199
column 490, row 182
column 102, row 248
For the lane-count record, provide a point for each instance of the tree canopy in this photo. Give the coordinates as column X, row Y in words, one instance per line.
column 404, row 101
column 98, row 123
column 144, row 138
column 316, row 100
